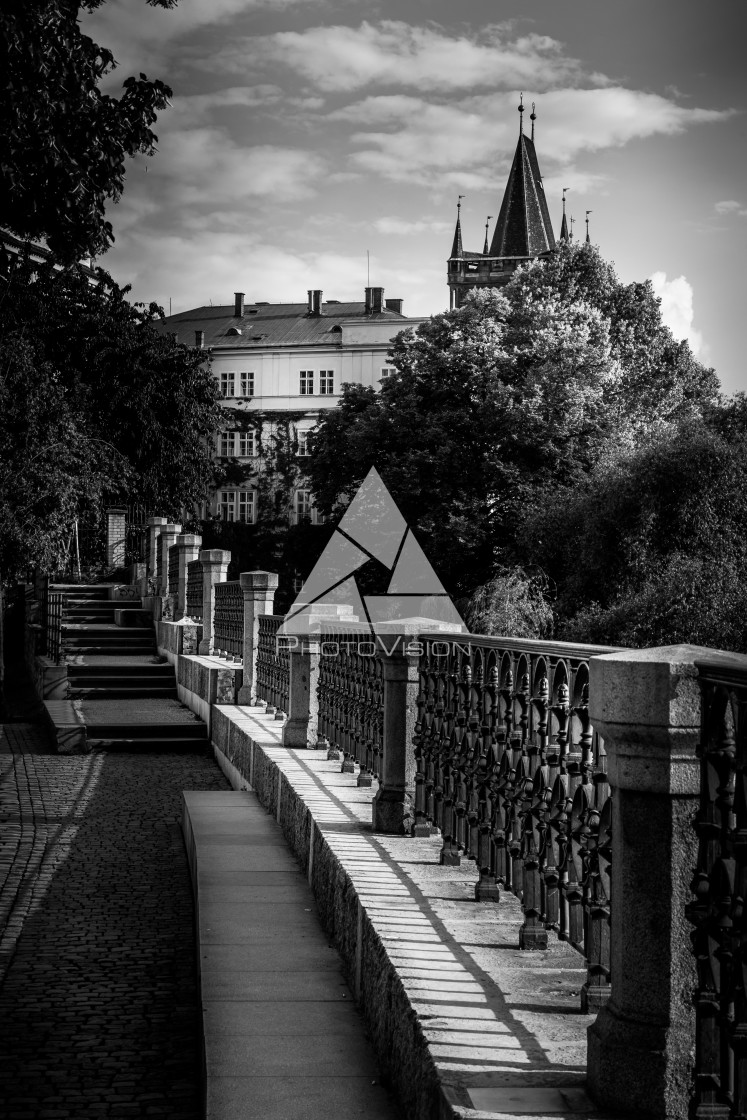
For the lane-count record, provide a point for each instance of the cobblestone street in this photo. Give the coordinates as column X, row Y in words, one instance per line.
column 97, row 966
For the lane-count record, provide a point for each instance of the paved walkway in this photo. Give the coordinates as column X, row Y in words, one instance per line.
column 97, row 961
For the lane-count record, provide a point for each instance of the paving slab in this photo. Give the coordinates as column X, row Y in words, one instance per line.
column 282, row 1036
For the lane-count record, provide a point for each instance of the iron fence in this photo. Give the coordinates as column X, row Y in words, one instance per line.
column 511, row 772
column 228, row 623
column 719, row 888
column 273, row 664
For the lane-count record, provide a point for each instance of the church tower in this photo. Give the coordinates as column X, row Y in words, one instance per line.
column 522, row 233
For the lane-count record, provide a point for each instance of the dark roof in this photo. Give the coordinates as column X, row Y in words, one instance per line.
column 456, row 248
column 524, row 228
column 269, row 324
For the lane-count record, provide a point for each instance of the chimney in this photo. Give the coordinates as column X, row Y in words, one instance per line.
column 238, row 306
column 315, row 301
column 394, row 305
column 377, row 300
column 199, row 339
column 369, row 300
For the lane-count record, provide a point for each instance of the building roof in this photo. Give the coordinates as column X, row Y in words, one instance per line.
column 272, row 324
column 524, row 228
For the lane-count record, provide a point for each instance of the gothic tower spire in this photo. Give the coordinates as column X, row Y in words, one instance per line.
column 564, row 224
column 522, row 232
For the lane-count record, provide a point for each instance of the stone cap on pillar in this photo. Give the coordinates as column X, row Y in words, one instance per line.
column 646, row 703
column 259, row 585
column 214, row 556
column 193, row 539
column 172, row 527
column 157, row 521
column 116, row 509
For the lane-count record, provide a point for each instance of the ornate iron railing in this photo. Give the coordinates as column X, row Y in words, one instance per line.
column 509, row 769
column 228, row 622
column 720, row 887
column 351, row 700
column 194, row 589
column 173, row 585
column 273, row 665
column 52, row 622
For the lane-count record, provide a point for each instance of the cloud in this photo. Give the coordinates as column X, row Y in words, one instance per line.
column 210, row 266
column 140, row 35
column 341, row 59
column 731, row 207
column 400, row 227
column 677, row 309
column 407, row 138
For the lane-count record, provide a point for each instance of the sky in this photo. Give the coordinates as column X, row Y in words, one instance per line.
column 317, row 143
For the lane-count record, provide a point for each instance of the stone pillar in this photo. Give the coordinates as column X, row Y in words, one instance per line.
column 155, row 524
column 303, row 700
column 394, row 804
column 214, row 567
column 646, row 705
column 189, row 548
column 169, row 533
column 116, row 537
column 259, row 598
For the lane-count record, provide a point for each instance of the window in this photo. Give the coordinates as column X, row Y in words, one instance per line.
column 246, row 382
column 226, row 444
column 237, row 505
column 326, row 382
column 303, row 442
column 247, row 505
column 306, row 387
column 386, row 371
column 248, row 444
column 227, row 385
column 302, row 509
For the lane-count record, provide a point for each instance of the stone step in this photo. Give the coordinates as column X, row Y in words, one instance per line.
column 172, row 744
column 120, row 640
column 134, row 730
column 99, row 674
column 133, row 618
column 82, row 591
column 82, row 616
column 130, row 691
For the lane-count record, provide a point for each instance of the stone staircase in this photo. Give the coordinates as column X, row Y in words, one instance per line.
column 120, row 695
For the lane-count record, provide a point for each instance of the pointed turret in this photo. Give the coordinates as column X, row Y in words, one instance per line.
column 588, row 239
column 564, row 235
column 522, row 233
column 524, row 228
column 456, row 249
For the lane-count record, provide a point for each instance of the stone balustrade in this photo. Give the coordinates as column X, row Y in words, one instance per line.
column 571, row 775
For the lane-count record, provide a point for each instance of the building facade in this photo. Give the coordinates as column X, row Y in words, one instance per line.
column 279, row 366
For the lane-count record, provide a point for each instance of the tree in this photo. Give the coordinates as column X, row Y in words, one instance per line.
column 651, row 548
column 65, row 142
column 509, row 398
column 99, row 406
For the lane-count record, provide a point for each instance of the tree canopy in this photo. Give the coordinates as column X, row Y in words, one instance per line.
column 651, row 548
column 505, row 401
column 96, row 405
column 65, row 142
